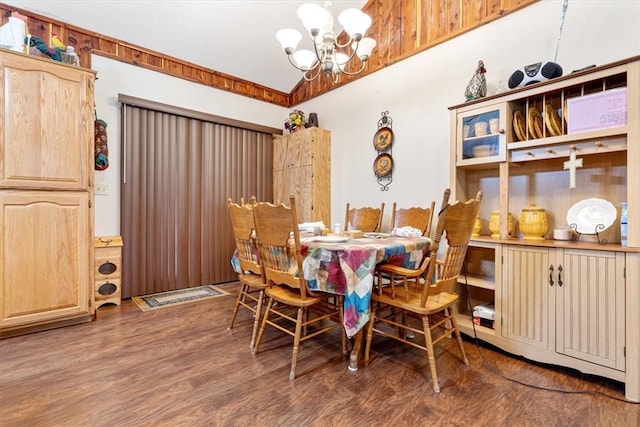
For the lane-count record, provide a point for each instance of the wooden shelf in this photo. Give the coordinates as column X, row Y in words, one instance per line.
column 478, row 281
column 545, row 291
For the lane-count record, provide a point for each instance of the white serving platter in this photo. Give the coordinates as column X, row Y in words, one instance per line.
column 592, row 215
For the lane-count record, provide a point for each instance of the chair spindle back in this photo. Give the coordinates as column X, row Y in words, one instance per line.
column 455, row 223
column 278, row 242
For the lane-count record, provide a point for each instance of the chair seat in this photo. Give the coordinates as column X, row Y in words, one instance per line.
column 411, row 301
column 399, row 270
column 253, row 280
column 291, row 296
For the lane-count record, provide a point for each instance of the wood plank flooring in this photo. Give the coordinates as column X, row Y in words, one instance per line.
column 180, row 366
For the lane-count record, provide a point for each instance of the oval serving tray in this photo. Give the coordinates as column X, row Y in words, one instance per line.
column 592, row 215
column 330, row 239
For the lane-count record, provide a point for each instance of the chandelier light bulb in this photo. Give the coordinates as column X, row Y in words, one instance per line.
column 355, row 23
column 340, row 62
column 289, row 39
column 328, row 56
column 305, row 59
column 313, row 17
column 364, row 47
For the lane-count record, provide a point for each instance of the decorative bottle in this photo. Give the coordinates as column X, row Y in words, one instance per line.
column 494, row 224
column 623, row 224
column 477, row 227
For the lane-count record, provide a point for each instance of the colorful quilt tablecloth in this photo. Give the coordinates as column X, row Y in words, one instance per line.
column 348, row 269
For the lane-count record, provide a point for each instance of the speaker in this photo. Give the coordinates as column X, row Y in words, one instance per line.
column 534, row 73
column 313, row 120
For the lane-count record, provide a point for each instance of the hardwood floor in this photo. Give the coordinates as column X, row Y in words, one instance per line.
column 180, row 366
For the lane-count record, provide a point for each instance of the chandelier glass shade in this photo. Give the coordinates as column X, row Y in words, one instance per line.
column 328, row 56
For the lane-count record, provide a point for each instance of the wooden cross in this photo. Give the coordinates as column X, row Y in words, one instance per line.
column 572, row 164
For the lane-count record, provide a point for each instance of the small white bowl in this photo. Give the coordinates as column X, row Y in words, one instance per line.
column 563, row 233
column 483, row 150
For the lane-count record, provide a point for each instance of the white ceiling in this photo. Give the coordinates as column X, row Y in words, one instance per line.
column 236, row 37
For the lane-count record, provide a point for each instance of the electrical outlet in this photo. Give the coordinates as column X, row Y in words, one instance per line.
column 101, row 190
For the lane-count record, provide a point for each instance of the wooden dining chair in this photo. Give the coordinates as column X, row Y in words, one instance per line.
column 366, row 219
column 420, row 218
column 416, row 217
column 278, row 242
column 434, row 303
column 251, row 294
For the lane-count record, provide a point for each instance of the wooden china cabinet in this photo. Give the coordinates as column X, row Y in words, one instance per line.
column 46, row 195
column 571, row 303
column 302, row 167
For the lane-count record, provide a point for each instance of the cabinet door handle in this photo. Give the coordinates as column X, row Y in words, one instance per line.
column 551, row 275
column 560, row 275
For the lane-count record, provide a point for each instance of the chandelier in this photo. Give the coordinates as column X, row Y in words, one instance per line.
column 329, row 56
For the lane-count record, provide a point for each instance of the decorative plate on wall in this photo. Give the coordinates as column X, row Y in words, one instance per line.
column 383, row 165
column 383, row 139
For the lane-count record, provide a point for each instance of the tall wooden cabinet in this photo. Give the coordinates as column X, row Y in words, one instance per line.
column 302, row 167
column 570, row 303
column 46, row 195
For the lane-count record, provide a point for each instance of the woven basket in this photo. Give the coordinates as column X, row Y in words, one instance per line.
column 66, row 58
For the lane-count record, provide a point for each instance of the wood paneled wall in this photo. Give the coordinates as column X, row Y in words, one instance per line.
column 405, row 28
column 87, row 42
column 401, row 29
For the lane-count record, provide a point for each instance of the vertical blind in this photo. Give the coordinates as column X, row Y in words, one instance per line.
column 178, row 173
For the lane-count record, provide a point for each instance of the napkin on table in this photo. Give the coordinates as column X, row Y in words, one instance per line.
column 406, row 232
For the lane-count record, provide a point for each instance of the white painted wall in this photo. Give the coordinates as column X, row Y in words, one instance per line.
column 417, row 93
column 115, row 78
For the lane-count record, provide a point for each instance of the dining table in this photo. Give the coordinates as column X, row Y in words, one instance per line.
column 346, row 266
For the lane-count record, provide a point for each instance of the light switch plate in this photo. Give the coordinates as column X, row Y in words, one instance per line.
column 101, row 190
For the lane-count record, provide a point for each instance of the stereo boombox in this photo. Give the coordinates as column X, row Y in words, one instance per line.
column 534, row 73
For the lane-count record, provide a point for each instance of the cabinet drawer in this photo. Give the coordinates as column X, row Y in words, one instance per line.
column 107, row 291
column 108, row 268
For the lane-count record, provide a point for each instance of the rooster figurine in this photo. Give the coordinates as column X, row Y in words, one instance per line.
column 477, row 87
column 57, row 42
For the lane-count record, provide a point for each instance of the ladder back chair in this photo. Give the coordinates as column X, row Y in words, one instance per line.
column 416, row 217
column 365, row 219
column 291, row 306
column 251, row 294
column 434, row 303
